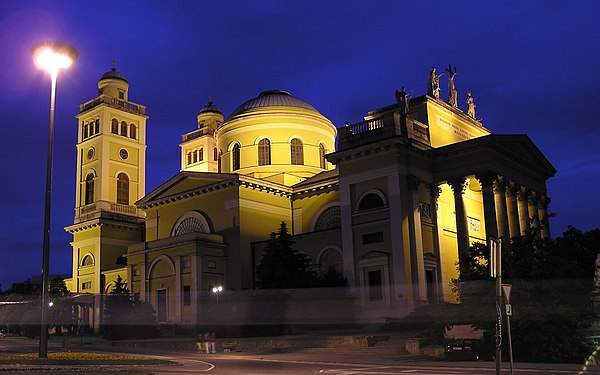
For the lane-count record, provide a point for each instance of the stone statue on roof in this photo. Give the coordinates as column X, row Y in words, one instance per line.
column 470, row 105
column 402, row 99
column 433, row 84
column 452, row 94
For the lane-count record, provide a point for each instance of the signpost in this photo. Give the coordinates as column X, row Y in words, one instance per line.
column 507, row 289
column 496, row 272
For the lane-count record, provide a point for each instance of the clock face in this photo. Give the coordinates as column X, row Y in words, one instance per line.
column 91, row 152
column 123, row 153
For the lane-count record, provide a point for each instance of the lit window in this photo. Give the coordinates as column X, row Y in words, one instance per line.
column 132, row 131
column 124, row 128
column 322, row 159
column 89, row 188
column 297, row 152
column 87, row 261
column 122, row 189
column 264, row 152
column 86, row 285
column 114, row 128
column 235, row 157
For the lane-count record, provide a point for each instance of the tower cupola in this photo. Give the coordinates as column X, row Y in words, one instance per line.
column 114, row 84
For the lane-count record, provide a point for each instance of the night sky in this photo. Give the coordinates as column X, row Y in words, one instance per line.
column 533, row 67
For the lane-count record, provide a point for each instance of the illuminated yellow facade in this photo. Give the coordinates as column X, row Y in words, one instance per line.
column 393, row 207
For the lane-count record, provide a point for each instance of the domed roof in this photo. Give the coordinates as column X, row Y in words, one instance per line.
column 113, row 74
column 272, row 98
column 210, row 107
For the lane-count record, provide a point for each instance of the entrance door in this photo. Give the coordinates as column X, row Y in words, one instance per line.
column 161, row 305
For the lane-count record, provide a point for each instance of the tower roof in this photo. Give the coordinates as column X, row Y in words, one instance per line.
column 272, row 98
column 113, row 74
column 210, row 108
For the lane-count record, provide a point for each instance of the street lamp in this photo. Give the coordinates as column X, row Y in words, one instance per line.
column 216, row 290
column 49, row 56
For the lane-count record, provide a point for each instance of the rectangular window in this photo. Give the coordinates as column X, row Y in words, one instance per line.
column 211, row 264
column 372, row 238
column 161, row 305
column 186, row 295
column 375, row 286
column 86, row 285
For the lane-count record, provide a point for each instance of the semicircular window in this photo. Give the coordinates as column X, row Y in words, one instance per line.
column 87, row 261
column 329, row 218
column 191, row 225
column 370, row 201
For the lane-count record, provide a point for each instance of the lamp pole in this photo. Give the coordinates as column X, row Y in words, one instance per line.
column 50, row 56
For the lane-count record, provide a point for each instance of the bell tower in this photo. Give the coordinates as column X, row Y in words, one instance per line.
column 199, row 148
column 111, row 162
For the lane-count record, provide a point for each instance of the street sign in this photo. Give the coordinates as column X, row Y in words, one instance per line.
column 507, row 289
column 493, row 257
column 508, row 310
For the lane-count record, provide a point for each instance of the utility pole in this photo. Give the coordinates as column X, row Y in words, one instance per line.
column 496, row 272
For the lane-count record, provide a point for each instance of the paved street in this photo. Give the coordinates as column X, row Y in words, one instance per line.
column 307, row 361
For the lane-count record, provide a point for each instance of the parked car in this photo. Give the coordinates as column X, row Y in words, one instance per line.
column 464, row 349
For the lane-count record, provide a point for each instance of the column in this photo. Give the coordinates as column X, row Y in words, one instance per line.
column 178, row 288
column 512, row 209
column 399, row 290
column 543, row 216
column 196, row 287
column 522, row 194
column 416, row 242
column 462, row 235
column 532, row 209
column 489, row 204
column 348, row 259
column 436, row 190
column 501, row 211
column 143, row 282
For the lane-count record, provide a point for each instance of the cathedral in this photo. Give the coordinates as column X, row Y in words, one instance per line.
column 392, row 202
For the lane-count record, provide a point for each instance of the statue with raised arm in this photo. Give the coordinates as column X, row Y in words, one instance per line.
column 470, row 105
column 402, row 99
column 433, row 84
column 452, row 95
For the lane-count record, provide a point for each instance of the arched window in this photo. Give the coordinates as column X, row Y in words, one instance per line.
column 219, row 161
column 235, row 157
column 264, row 152
column 122, row 189
column 297, row 152
column 322, row 152
column 89, row 188
column 329, row 218
column 132, row 131
column 86, row 129
column 124, row 128
column 201, row 154
column 370, row 201
column 215, row 154
column 87, row 261
column 114, row 126
column 195, row 156
column 97, row 126
column 191, row 222
column 189, row 158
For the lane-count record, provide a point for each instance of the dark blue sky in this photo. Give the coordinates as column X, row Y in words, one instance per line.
column 533, row 68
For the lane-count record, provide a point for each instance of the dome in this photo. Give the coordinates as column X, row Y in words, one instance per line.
column 210, row 108
column 113, row 74
column 272, row 98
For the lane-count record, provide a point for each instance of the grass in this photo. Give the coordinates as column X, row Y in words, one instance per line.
column 81, row 359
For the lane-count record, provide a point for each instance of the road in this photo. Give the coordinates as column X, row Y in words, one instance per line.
column 311, row 361
column 298, row 363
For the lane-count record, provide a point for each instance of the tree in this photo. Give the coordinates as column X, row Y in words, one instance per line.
column 126, row 316
column 59, row 314
column 283, row 267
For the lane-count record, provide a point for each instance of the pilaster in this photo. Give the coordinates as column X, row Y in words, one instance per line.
column 416, row 242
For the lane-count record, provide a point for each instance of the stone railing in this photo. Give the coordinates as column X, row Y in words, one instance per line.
column 197, row 134
column 113, row 102
column 103, row 206
column 386, row 126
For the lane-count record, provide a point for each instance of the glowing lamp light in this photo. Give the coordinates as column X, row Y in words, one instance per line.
column 50, row 304
column 217, row 289
column 53, row 56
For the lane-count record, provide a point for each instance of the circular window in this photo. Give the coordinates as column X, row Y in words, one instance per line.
column 91, row 152
column 123, row 153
